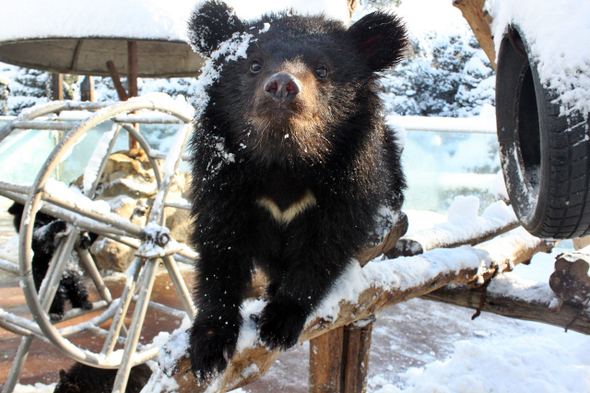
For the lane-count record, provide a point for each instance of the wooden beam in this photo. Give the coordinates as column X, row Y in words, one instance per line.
column 390, row 284
column 117, row 81
column 515, row 308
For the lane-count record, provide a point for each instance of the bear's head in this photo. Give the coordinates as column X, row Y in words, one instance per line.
column 305, row 84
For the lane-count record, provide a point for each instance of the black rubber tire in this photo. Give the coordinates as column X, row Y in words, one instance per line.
column 545, row 157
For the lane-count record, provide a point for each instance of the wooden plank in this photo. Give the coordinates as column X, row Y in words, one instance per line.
column 325, row 362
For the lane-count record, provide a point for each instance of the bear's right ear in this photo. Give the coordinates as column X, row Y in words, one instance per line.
column 381, row 38
column 212, row 23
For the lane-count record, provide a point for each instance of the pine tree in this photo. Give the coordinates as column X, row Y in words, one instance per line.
column 441, row 75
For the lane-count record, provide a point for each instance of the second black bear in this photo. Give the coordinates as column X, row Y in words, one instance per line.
column 81, row 378
column 46, row 233
column 291, row 162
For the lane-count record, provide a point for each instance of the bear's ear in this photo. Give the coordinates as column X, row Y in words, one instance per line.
column 381, row 37
column 210, row 24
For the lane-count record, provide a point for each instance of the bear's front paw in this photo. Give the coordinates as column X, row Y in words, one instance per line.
column 211, row 348
column 280, row 324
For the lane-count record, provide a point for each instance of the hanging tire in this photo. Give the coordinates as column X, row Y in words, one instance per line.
column 545, row 157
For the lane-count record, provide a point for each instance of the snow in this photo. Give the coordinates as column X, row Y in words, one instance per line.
column 558, row 33
column 250, row 10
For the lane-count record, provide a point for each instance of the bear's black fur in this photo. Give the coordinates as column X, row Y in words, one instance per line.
column 291, row 163
column 46, row 232
column 81, row 378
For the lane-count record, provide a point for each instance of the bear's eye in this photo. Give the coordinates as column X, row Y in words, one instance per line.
column 255, row 66
column 321, row 72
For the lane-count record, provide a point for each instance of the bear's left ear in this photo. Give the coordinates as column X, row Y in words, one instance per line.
column 381, row 37
column 210, row 24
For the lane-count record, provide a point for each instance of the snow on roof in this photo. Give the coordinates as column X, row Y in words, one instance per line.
column 140, row 19
column 558, row 33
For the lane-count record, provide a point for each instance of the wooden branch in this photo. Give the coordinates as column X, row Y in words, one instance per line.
column 479, row 21
column 362, row 292
column 497, row 303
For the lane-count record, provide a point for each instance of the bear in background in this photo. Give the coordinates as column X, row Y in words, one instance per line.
column 292, row 164
column 46, row 232
column 81, row 378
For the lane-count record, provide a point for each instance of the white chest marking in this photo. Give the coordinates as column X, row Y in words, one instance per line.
column 286, row 216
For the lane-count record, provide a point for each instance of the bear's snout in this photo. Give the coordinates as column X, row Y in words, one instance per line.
column 282, row 87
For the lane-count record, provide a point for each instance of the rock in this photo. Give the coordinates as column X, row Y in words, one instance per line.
column 128, row 184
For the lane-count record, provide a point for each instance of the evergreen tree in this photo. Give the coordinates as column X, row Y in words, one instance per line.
column 441, row 75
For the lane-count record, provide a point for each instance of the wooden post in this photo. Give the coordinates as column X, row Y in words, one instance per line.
column 56, row 92
column 132, row 63
column 325, row 362
column 357, row 346
column 339, row 359
column 132, row 68
column 87, row 89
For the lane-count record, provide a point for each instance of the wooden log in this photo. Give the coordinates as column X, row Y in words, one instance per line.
column 479, row 21
column 325, row 362
column 516, row 308
column 382, row 284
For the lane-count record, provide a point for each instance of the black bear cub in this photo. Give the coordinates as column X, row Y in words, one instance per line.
column 46, row 232
column 292, row 163
column 81, row 378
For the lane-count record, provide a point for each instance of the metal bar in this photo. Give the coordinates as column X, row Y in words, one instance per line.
column 185, row 206
column 17, row 364
column 92, row 270
column 121, row 311
column 165, row 119
column 117, row 222
column 9, row 266
column 180, row 286
column 43, row 125
column 136, row 326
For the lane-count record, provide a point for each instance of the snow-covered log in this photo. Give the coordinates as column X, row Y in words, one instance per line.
column 463, row 227
column 359, row 294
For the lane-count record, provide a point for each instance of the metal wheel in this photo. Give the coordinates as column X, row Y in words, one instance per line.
column 121, row 347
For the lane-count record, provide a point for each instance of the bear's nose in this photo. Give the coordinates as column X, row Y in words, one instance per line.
column 282, row 87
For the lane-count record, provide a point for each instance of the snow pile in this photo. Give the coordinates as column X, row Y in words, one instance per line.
column 558, row 34
column 505, row 364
